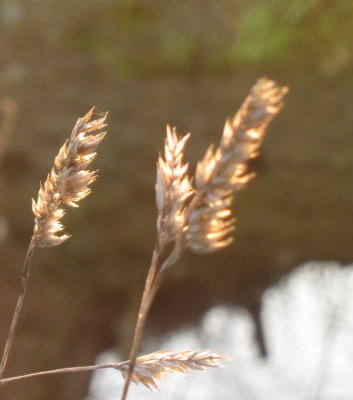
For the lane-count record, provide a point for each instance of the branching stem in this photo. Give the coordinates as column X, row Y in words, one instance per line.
column 154, row 278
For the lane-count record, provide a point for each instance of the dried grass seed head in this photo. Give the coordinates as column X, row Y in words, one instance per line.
column 223, row 170
column 173, row 185
column 69, row 180
column 153, row 367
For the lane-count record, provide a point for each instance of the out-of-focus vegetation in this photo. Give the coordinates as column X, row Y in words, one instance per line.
column 134, row 37
column 314, row 34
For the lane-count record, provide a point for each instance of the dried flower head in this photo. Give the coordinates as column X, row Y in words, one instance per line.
column 69, row 180
column 224, row 170
column 173, row 186
column 153, row 367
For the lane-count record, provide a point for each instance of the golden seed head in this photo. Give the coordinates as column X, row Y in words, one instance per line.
column 69, row 180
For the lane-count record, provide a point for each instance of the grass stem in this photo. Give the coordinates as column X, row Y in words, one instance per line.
column 24, row 282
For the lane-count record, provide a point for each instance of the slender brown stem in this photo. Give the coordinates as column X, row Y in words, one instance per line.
column 145, row 304
column 11, row 334
column 154, row 279
column 64, row 371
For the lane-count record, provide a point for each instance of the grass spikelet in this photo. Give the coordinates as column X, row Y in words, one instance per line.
column 223, row 170
column 173, row 186
column 151, row 368
column 69, row 180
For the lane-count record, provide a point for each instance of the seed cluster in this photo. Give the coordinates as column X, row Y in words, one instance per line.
column 69, row 180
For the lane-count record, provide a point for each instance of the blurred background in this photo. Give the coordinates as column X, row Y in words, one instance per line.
column 149, row 63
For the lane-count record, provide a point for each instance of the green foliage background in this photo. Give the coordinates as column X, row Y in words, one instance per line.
column 134, row 37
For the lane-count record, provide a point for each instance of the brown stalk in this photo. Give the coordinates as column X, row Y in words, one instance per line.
column 155, row 276
column 200, row 217
column 25, row 275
